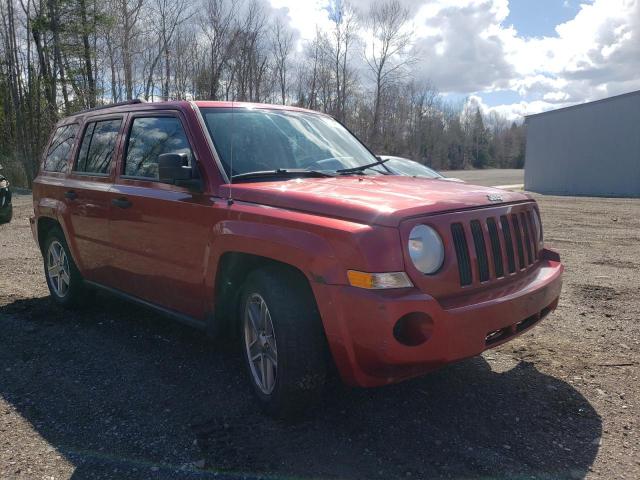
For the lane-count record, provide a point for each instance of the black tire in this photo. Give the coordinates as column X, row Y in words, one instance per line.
column 6, row 218
column 299, row 336
column 77, row 293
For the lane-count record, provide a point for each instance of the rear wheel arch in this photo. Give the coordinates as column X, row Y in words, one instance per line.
column 63, row 267
column 45, row 225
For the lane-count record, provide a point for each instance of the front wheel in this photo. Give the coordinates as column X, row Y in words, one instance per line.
column 283, row 341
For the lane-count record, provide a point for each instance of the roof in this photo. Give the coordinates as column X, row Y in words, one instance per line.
column 584, row 105
column 123, row 107
column 228, row 104
column 137, row 104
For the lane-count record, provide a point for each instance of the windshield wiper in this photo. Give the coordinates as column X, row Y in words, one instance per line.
column 362, row 168
column 282, row 172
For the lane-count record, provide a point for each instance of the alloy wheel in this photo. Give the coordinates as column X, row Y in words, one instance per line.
column 260, row 343
column 58, row 269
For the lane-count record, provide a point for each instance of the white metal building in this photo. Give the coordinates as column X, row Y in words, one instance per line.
column 587, row 149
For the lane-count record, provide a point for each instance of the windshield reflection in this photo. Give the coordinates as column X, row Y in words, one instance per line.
column 269, row 140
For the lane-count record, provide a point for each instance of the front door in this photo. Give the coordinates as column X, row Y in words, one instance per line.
column 160, row 231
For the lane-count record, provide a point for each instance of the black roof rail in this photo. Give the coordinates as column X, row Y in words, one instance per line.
column 111, row 105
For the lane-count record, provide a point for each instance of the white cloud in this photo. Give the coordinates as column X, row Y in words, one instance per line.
column 594, row 55
column 459, row 45
column 465, row 48
column 515, row 111
column 556, row 96
column 305, row 15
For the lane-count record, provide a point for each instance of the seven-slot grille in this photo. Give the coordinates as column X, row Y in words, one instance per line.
column 508, row 240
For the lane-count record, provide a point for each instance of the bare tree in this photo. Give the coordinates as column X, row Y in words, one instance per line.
column 218, row 26
column 316, row 88
column 281, row 43
column 185, row 59
column 387, row 52
column 86, row 52
column 129, row 12
column 345, row 24
column 167, row 15
column 251, row 54
column 58, row 65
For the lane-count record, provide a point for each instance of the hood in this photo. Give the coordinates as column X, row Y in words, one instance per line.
column 381, row 200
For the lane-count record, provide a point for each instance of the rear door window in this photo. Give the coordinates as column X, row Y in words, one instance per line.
column 149, row 138
column 98, row 147
column 60, row 148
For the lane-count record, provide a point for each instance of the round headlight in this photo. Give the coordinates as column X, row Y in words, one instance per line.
column 426, row 249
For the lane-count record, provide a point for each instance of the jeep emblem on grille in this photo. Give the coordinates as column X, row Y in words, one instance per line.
column 494, row 197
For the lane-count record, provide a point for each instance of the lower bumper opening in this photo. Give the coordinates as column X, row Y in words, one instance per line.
column 497, row 336
column 528, row 322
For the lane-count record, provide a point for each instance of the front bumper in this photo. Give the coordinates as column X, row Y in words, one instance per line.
column 359, row 323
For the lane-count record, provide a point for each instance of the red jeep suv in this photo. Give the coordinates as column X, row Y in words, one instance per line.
column 278, row 223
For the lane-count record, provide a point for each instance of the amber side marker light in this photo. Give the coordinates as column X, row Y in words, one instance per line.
column 378, row 281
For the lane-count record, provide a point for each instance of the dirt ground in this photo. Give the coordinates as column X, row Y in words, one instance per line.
column 115, row 391
column 489, row 177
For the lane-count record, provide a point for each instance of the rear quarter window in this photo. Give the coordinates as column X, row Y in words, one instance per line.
column 60, row 148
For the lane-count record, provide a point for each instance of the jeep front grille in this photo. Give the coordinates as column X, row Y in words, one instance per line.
column 462, row 254
column 508, row 242
column 496, row 250
column 481, row 250
column 497, row 241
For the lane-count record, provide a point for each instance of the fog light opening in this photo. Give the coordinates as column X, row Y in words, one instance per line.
column 413, row 329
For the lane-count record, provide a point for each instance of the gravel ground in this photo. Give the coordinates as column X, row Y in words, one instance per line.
column 115, row 391
column 489, row 177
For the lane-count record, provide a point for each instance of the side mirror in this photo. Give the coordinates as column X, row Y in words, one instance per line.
column 174, row 167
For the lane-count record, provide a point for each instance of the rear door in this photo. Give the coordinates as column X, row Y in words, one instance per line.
column 87, row 197
column 160, row 231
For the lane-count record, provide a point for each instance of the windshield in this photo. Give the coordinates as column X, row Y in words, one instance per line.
column 403, row 166
column 269, row 140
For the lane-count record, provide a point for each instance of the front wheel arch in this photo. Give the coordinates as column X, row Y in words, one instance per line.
column 233, row 270
column 302, row 355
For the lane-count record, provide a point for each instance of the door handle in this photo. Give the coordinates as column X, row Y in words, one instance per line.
column 121, row 202
column 71, row 195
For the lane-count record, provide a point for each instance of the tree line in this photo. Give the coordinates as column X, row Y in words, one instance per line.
column 61, row 56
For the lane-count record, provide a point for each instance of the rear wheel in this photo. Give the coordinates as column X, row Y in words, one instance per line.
column 283, row 341
column 63, row 278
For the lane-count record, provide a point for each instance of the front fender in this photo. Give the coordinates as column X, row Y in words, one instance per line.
column 308, row 252
column 322, row 248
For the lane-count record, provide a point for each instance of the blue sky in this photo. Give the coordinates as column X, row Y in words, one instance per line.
column 516, row 57
column 532, row 19
column 539, row 18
